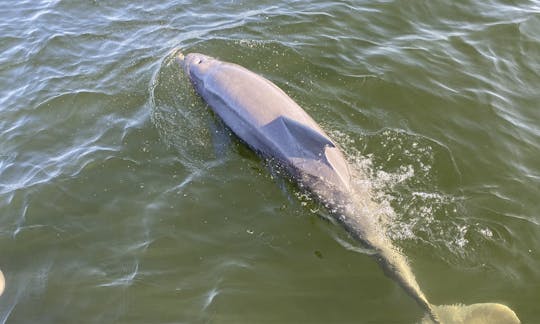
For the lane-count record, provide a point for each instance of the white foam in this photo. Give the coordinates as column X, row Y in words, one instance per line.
column 405, row 198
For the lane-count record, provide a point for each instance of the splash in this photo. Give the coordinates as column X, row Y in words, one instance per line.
column 413, row 200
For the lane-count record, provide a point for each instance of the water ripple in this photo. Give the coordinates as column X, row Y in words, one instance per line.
column 116, row 181
column 125, row 280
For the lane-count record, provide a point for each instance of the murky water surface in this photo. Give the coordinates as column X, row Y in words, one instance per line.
column 123, row 200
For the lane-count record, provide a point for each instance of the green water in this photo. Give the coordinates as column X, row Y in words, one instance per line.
column 123, row 200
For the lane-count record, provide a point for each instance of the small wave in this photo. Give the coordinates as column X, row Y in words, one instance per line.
column 209, row 299
column 531, row 27
column 52, row 143
column 125, row 280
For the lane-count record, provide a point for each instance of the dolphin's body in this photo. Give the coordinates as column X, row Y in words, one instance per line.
column 268, row 120
column 272, row 124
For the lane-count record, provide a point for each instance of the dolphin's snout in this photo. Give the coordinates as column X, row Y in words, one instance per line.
column 181, row 58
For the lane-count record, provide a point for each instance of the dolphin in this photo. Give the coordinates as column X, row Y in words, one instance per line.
column 277, row 128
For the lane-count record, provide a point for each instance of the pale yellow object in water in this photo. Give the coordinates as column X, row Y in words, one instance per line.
column 2, row 282
column 483, row 313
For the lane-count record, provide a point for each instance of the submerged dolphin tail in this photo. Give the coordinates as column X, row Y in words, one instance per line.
column 483, row 313
column 397, row 266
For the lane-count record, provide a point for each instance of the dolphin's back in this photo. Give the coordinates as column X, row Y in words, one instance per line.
column 269, row 121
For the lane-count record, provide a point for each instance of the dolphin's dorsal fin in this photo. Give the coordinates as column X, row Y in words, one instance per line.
column 296, row 139
column 310, row 139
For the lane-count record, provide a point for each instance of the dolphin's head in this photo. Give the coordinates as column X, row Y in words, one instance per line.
column 196, row 66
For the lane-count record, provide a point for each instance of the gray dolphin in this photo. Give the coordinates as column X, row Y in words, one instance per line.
column 272, row 124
